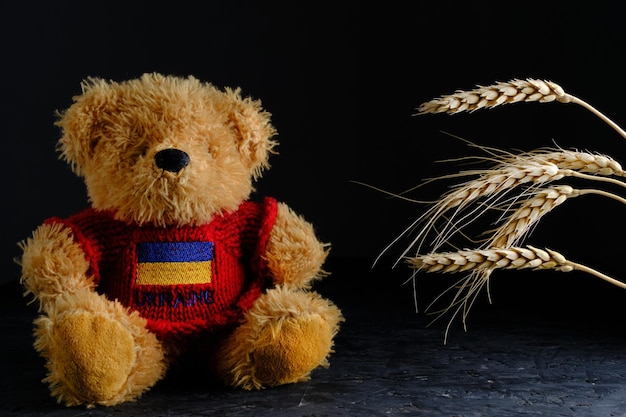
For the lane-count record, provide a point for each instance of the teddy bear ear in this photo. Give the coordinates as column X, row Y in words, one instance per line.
column 79, row 123
column 254, row 131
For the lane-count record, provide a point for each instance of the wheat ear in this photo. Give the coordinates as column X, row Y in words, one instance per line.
column 492, row 185
column 489, row 183
column 514, row 91
column 481, row 263
column 535, row 167
column 597, row 164
column 530, row 211
column 500, row 93
column 500, row 258
column 528, row 214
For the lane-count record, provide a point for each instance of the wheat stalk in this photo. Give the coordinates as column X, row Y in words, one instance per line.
column 514, row 91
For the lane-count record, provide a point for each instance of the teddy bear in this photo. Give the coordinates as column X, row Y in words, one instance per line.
column 174, row 259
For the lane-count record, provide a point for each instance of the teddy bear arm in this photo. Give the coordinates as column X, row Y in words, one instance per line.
column 294, row 254
column 53, row 264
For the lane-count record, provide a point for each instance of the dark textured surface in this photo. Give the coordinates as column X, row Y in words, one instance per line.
column 548, row 353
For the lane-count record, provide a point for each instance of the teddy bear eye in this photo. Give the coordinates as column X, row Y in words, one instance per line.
column 137, row 153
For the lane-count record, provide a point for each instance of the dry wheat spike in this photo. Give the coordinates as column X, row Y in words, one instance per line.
column 518, row 225
column 492, row 183
column 490, row 96
column 453, row 211
column 480, row 263
column 513, row 91
column 490, row 259
column 500, row 258
column 591, row 163
column 528, row 213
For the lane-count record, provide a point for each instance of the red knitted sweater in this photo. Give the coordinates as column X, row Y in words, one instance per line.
column 181, row 279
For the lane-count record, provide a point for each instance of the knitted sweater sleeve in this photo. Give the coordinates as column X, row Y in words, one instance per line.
column 259, row 234
column 84, row 227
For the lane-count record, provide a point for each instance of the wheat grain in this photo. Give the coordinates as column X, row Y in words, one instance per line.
column 490, row 96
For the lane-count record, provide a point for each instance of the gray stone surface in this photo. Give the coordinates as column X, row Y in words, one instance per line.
column 528, row 354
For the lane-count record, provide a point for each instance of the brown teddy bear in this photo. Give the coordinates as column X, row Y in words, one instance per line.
column 173, row 258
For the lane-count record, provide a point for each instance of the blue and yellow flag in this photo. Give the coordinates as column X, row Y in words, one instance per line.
column 174, row 263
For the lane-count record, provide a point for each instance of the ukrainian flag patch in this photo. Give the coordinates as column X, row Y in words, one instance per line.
column 174, row 263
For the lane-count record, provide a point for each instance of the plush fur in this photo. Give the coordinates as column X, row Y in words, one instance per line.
column 100, row 351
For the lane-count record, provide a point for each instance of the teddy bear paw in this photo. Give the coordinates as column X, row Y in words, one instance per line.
column 285, row 336
column 90, row 357
column 288, row 351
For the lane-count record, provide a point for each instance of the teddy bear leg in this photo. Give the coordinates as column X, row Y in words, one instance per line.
column 284, row 336
column 101, row 355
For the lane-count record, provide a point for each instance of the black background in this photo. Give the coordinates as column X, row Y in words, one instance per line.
column 342, row 80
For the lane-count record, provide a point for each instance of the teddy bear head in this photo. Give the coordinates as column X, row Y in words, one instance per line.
column 165, row 150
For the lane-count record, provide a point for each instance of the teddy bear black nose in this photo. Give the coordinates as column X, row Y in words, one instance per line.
column 172, row 160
